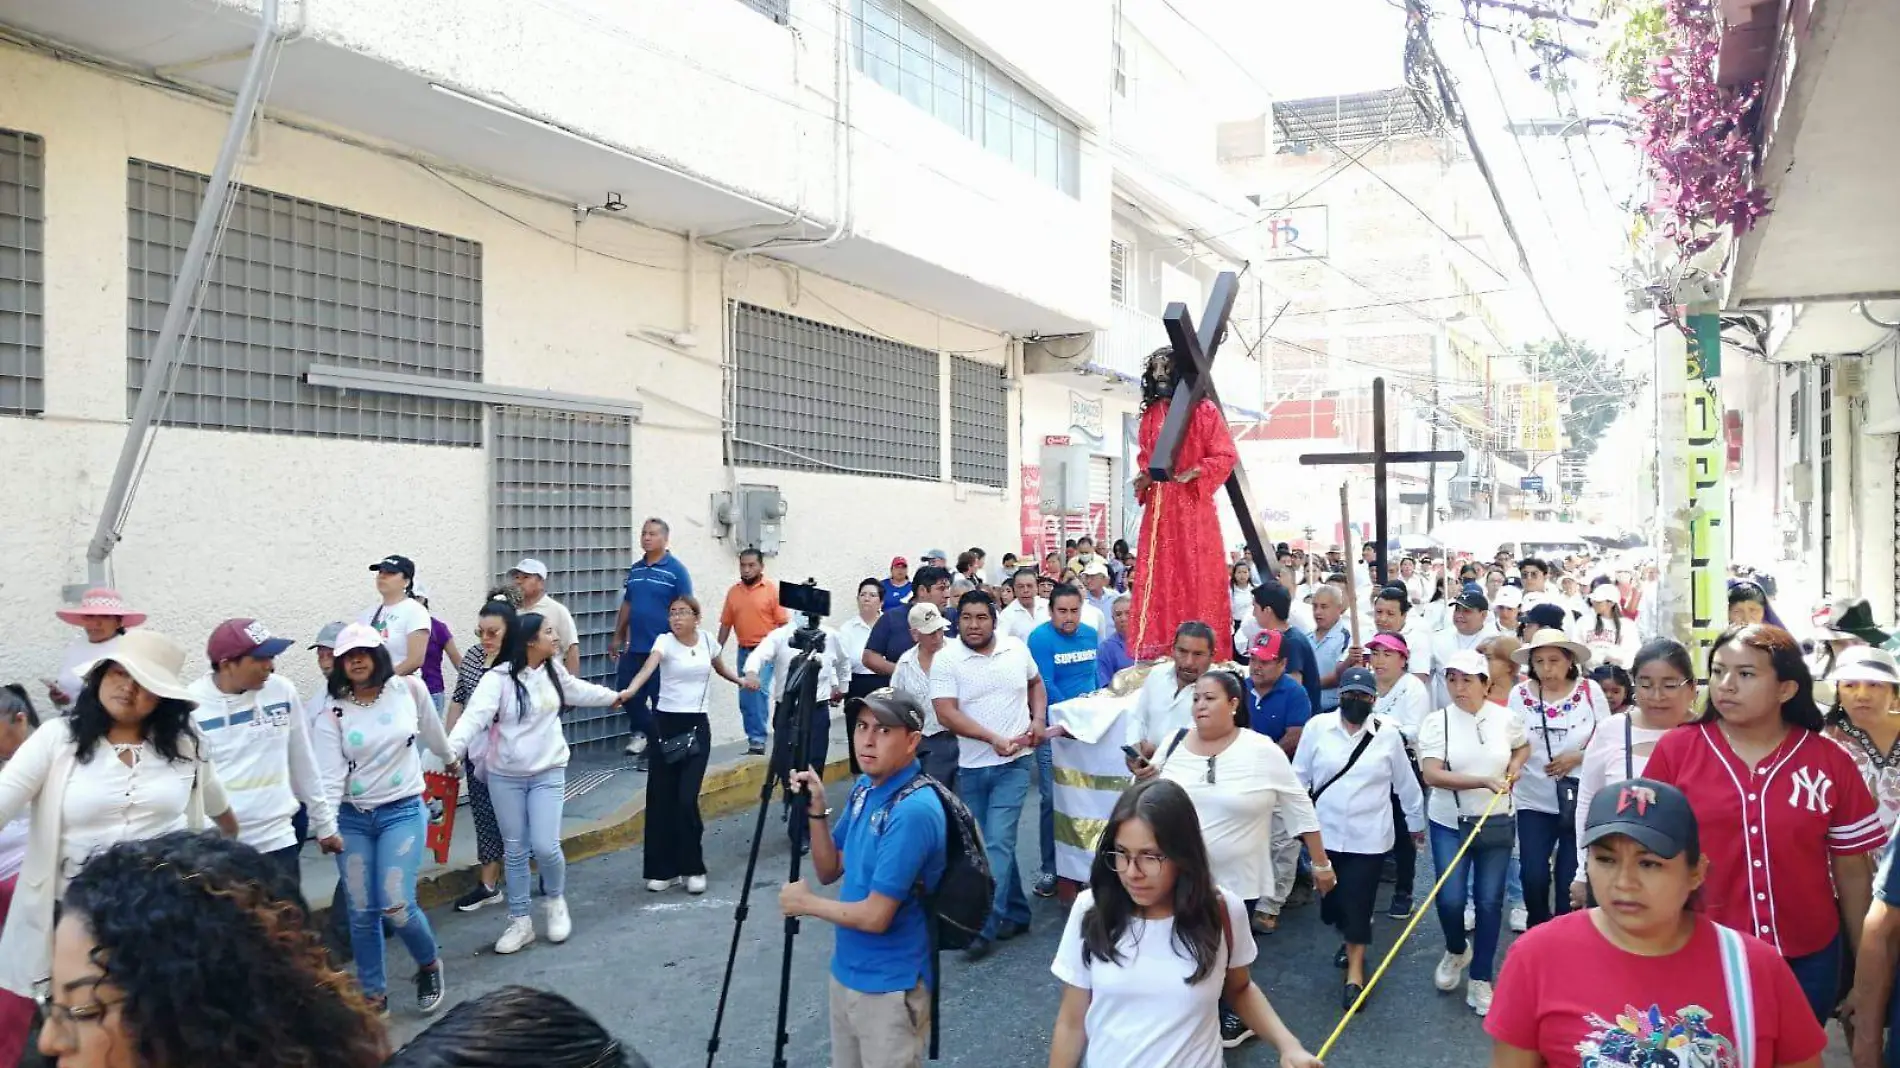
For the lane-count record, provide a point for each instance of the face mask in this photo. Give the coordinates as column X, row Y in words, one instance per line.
column 1355, row 710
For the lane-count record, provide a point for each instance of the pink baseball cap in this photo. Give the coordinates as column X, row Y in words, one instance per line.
column 1392, row 642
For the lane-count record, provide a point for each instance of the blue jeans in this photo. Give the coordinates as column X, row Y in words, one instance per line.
column 1046, row 786
column 639, row 710
column 1819, row 975
column 752, row 704
column 1487, row 867
column 1538, row 833
column 995, row 796
column 382, row 848
column 528, row 812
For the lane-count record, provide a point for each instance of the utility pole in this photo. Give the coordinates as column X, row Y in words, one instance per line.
column 1431, row 476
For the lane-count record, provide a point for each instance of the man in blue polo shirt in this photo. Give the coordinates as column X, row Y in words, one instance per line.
column 1064, row 649
column 880, row 958
column 652, row 583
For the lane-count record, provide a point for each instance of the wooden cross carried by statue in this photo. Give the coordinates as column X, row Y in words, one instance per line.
column 1194, row 357
column 1379, row 458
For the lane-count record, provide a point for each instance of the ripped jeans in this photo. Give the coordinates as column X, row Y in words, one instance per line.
column 382, row 850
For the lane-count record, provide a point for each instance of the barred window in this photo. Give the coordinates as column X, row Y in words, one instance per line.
column 296, row 282
column 776, row 10
column 22, row 245
column 563, row 494
column 816, row 397
column 979, row 420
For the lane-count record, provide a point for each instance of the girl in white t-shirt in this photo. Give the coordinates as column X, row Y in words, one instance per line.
column 1152, row 945
column 686, row 658
column 1560, row 708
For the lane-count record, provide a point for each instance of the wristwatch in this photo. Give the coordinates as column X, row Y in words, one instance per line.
column 825, row 815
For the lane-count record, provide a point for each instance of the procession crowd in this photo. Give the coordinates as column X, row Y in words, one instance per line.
column 1693, row 866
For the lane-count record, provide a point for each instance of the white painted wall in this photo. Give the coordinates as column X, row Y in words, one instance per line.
column 283, row 528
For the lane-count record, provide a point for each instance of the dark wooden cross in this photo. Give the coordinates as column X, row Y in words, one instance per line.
column 1379, row 457
column 1194, row 356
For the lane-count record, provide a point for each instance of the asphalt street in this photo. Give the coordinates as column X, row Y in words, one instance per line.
column 649, row 966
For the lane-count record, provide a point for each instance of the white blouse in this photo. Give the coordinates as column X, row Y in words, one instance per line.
column 685, row 672
column 1469, row 743
column 109, row 801
column 852, row 638
column 1236, row 793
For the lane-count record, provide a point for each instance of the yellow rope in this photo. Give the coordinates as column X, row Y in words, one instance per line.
column 1417, row 915
column 1148, row 573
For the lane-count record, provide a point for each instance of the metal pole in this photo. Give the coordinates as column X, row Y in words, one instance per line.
column 1378, row 478
column 1431, row 477
column 184, row 288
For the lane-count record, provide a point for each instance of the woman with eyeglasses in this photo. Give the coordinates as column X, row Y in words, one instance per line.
column 189, row 950
column 1792, row 827
column 1470, row 752
column 1664, row 687
column 1238, row 779
column 1153, row 945
column 491, row 629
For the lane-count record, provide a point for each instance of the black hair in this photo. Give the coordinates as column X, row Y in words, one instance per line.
column 501, row 605
column 925, row 577
column 1272, row 595
column 1086, row 537
column 1157, row 384
column 1784, row 656
column 1668, row 650
column 875, row 583
column 753, row 552
column 1022, row 572
column 1530, row 670
column 966, row 560
column 1614, row 674
column 1199, row 930
column 339, row 682
column 1236, row 692
column 656, row 521
column 1616, row 619
column 1236, row 566
column 514, row 1026
column 1468, row 571
column 514, row 653
column 1532, row 561
column 1064, row 589
column 15, row 704
column 1194, row 628
column 166, row 728
column 211, row 945
column 1121, row 547
column 1397, row 595
column 973, row 597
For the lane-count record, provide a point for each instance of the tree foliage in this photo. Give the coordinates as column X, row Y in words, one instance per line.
column 1592, row 390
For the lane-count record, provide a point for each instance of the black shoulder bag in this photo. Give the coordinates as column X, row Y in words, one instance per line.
column 1498, row 832
column 1357, row 752
column 1568, row 785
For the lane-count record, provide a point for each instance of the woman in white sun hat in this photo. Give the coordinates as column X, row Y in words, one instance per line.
column 1559, row 707
column 126, row 763
column 1863, row 720
column 103, row 615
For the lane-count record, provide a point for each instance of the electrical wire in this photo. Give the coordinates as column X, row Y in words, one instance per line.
column 570, row 242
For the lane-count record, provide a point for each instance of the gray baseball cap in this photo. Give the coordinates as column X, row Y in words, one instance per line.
column 326, row 638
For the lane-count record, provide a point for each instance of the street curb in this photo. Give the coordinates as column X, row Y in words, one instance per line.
column 727, row 788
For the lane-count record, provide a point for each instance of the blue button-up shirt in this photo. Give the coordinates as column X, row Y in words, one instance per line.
column 1327, row 651
column 650, row 590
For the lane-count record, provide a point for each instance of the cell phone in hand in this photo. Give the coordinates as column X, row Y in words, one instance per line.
column 1134, row 754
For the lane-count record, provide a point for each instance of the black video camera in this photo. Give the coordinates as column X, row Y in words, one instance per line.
column 813, row 602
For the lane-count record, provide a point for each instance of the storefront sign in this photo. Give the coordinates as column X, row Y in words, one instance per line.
column 1085, row 415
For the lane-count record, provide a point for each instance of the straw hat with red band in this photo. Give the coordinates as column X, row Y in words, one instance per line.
column 153, row 660
column 100, row 601
column 1552, row 639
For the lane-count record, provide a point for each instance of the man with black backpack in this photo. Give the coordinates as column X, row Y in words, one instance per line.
column 895, row 834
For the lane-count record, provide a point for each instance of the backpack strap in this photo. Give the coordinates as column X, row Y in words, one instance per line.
column 1741, row 991
column 1629, row 747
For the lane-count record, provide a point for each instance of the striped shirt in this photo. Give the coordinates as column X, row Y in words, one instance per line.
column 991, row 688
column 1771, row 831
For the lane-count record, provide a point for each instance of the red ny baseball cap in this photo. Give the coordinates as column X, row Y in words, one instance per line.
column 1269, row 646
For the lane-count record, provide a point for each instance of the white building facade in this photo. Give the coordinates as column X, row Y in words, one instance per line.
column 504, row 279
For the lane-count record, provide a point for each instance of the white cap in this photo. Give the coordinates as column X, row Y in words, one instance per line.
column 530, row 566
column 1605, row 592
column 1509, row 597
column 927, row 618
column 1469, row 662
column 1865, row 663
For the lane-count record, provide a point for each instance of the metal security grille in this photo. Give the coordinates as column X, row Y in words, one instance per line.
column 814, row 397
column 296, row 282
column 979, row 411
column 563, row 494
column 1824, row 409
column 22, row 243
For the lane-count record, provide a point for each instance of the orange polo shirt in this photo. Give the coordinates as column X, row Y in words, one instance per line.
column 752, row 611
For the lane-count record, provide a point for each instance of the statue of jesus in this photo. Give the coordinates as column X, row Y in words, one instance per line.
column 1181, row 570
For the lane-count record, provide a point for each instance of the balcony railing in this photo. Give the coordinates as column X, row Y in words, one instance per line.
column 1132, row 334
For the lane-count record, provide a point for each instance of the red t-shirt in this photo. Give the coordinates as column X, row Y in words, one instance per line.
column 1771, row 831
column 1575, row 998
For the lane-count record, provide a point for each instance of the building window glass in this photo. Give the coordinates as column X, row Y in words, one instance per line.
column 297, row 283
column 22, row 301
column 979, row 415
column 907, row 52
column 776, row 10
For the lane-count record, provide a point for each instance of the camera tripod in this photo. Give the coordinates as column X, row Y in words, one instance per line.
column 791, row 751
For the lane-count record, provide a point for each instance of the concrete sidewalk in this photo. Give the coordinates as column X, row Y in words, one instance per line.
column 605, row 812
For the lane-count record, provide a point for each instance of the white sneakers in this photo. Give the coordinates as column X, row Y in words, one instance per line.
column 1478, row 996
column 1520, row 919
column 519, row 933
column 520, row 930
column 654, row 886
column 695, row 884
column 1451, row 968
column 637, row 746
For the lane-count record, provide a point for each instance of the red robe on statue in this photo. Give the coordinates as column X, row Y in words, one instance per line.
column 1181, row 570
